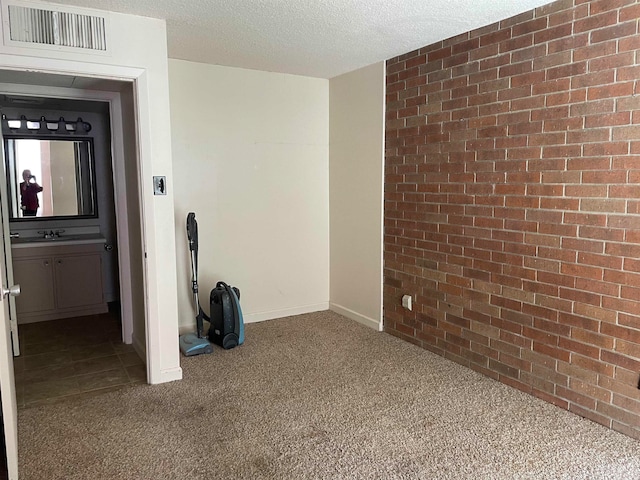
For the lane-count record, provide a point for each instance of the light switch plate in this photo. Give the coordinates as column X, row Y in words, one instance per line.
column 159, row 185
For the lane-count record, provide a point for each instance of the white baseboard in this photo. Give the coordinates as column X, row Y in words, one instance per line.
column 287, row 312
column 364, row 320
column 270, row 315
column 170, row 375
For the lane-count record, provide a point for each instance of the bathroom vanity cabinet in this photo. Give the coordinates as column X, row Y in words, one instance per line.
column 58, row 281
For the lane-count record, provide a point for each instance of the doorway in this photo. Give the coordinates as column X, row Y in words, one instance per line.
column 71, row 337
column 118, row 181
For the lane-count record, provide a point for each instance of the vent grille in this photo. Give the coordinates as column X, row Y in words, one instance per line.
column 49, row 27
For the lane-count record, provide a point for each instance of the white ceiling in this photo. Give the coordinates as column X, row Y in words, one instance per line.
column 317, row 38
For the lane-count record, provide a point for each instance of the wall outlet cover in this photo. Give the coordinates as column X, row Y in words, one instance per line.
column 406, row 302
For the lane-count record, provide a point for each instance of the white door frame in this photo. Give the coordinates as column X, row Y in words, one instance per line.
column 138, row 77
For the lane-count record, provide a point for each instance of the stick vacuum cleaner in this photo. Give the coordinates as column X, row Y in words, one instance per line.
column 195, row 343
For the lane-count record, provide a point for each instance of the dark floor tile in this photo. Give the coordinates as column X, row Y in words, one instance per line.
column 85, row 352
column 80, row 339
column 129, row 359
column 137, row 373
column 120, row 347
column 37, row 338
column 98, row 380
column 57, row 345
column 18, row 364
column 45, row 359
column 45, row 373
column 94, row 365
column 50, row 389
column 54, row 400
column 74, row 358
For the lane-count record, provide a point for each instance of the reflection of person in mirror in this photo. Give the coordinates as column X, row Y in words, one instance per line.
column 29, row 190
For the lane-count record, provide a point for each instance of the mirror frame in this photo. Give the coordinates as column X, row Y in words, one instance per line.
column 15, row 201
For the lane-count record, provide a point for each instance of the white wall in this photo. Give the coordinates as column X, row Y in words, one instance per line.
column 250, row 153
column 144, row 62
column 356, row 193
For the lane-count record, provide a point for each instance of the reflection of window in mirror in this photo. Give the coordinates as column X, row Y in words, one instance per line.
column 60, row 170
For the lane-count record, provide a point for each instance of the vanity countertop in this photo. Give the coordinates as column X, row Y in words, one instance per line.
column 81, row 239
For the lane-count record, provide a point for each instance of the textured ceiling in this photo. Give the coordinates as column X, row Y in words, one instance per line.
column 318, row 38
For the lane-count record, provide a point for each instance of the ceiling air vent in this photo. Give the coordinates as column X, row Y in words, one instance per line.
column 57, row 28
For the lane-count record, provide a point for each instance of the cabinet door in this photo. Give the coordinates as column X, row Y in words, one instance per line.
column 78, row 280
column 35, row 276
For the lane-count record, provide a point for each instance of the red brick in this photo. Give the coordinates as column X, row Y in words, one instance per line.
column 612, row 90
column 631, row 12
column 612, row 62
column 596, row 21
column 617, row 359
column 495, row 37
column 609, row 119
column 616, row 31
column 568, row 43
column 553, row 33
column 529, row 26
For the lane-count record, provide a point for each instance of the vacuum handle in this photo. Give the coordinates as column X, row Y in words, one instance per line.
column 192, row 231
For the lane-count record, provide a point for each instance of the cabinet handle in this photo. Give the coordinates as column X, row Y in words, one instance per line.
column 59, row 262
column 46, row 263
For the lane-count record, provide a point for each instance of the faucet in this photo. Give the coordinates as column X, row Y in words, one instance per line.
column 51, row 233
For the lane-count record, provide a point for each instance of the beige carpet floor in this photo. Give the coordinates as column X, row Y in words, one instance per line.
column 319, row 396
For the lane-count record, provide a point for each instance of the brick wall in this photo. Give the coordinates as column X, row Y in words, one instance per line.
column 512, row 204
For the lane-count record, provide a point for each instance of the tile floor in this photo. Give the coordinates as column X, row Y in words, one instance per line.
column 80, row 356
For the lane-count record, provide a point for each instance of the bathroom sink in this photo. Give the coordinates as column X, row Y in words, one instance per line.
column 61, row 240
column 46, row 240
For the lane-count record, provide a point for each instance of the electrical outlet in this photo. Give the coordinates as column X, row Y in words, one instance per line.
column 407, row 302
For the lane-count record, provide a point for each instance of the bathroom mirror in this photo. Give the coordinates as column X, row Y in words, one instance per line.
column 50, row 179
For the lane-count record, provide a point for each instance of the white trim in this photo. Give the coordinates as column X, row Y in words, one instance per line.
column 270, row 315
column 71, row 67
column 287, row 312
column 383, row 99
column 169, row 375
column 364, row 320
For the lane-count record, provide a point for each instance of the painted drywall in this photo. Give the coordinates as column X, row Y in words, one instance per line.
column 146, row 63
column 356, row 113
column 251, row 158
